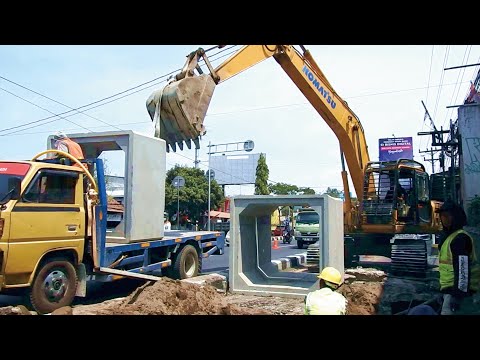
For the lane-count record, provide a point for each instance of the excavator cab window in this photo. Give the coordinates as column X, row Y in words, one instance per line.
column 423, row 198
column 405, row 200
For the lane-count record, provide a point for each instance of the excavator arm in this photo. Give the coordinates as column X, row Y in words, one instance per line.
column 179, row 109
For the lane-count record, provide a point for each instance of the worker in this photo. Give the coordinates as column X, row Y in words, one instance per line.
column 326, row 300
column 458, row 268
column 65, row 144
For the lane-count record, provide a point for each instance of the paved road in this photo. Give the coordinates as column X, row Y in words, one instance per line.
column 217, row 263
column 98, row 292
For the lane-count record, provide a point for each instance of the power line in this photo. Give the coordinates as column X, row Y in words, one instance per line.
column 68, row 130
column 429, row 74
column 275, row 182
column 83, row 127
column 58, row 102
column 308, row 103
column 445, row 59
column 96, row 102
column 454, row 97
column 428, row 87
column 109, row 97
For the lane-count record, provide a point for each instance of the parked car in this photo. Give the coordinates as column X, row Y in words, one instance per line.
column 227, row 238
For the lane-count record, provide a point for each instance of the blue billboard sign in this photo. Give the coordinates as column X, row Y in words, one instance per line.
column 391, row 149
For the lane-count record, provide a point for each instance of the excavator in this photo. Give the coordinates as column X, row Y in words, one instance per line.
column 393, row 211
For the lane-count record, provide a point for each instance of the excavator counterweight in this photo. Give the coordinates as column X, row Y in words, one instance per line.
column 178, row 110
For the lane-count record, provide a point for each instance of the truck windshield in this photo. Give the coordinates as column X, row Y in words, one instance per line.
column 309, row 217
column 8, row 171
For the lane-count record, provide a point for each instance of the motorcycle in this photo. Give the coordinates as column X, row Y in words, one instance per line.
column 287, row 236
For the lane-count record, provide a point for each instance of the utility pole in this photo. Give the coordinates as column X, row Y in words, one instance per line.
column 196, row 162
column 432, row 159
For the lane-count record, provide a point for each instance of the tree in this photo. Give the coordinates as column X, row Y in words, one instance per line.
column 283, row 189
column 194, row 195
column 306, row 191
column 287, row 189
column 334, row 192
column 261, row 177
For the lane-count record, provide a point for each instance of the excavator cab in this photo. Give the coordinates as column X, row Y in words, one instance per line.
column 179, row 109
column 396, row 198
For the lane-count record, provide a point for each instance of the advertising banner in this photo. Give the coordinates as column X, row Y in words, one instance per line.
column 391, row 149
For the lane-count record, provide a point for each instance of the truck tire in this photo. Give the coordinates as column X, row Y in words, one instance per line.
column 300, row 244
column 187, row 263
column 54, row 286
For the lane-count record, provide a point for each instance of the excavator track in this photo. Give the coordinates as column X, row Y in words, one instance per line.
column 409, row 256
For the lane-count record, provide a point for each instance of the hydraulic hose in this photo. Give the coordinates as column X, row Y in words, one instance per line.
column 74, row 159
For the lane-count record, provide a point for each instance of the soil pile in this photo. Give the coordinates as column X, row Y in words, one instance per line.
column 173, row 297
column 363, row 297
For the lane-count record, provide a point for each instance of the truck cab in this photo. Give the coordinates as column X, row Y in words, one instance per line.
column 42, row 217
column 307, row 227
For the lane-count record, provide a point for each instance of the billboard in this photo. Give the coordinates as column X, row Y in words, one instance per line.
column 234, row 169
column 391, row 149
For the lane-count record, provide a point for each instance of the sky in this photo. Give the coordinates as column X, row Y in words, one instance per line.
column 383, row 84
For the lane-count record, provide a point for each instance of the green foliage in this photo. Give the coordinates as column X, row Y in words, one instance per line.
column 194, row 195
column 282, row 189
column 474, row 211
column 306, row 191
column 287, row 189
column 261, row 177
column 334, row 192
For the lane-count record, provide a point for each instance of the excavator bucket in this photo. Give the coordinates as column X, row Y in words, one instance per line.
column 178, row 110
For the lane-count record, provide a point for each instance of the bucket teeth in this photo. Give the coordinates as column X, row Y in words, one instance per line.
column 179, row 110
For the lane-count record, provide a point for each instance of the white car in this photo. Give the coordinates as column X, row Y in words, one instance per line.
column 227, row 238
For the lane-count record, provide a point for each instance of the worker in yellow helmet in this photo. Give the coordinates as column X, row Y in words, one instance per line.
column 326, row 300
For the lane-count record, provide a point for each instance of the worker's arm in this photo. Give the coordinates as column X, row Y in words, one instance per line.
column 344, row 305
column 461, row 248
column 305, row 307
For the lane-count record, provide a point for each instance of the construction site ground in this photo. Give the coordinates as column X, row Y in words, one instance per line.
column 370, row 290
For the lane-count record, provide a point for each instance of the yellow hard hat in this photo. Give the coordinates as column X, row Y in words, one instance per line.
column 331, row 275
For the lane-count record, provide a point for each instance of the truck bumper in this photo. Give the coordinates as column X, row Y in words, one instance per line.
column 307, row 239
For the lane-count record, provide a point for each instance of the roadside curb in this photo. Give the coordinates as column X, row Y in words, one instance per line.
column 290, row 261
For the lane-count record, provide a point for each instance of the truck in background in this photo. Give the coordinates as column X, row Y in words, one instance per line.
column 307, row 227
column 53, row 226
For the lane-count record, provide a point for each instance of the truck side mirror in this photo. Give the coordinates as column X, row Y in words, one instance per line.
column 14, row 185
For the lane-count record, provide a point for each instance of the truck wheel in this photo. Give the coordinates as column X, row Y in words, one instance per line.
column 54, row 286
column 187, row 264
column 300, row 244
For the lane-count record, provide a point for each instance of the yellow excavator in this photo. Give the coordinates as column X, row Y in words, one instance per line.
column 392, row 197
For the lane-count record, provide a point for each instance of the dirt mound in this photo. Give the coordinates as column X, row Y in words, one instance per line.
column 173, row 297
column 363, row 297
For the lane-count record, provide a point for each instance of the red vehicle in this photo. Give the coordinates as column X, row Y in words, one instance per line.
column 278, row 231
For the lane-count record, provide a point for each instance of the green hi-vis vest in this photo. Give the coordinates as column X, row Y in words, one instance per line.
column 446, row 264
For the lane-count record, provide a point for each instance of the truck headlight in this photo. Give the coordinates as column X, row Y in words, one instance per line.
column 297, row 233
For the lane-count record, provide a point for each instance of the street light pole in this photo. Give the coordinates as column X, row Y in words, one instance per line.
column 209, row 183
column 178, row 207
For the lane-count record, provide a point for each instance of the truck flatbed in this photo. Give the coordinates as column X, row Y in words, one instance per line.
column 146, row 257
